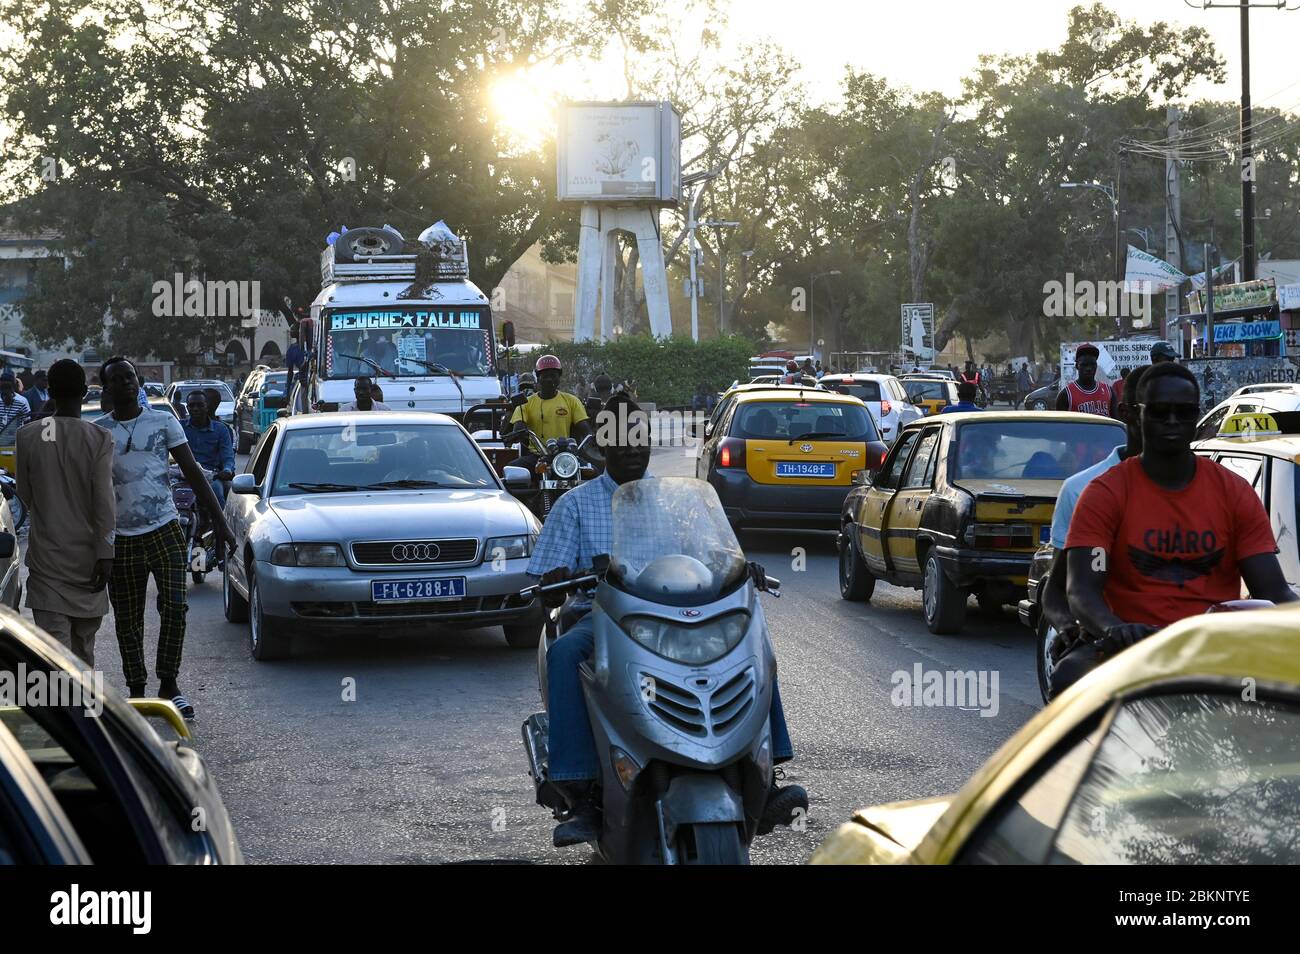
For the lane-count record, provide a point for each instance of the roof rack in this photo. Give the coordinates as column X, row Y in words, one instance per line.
column 381, row 254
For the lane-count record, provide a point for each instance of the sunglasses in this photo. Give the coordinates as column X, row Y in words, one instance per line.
column 1182, row 411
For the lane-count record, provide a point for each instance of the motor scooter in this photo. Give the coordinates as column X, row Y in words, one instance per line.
column 200, row 538
column 679, row 685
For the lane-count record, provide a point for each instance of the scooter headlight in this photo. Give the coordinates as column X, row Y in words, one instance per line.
column 693, row 645
column 565, row 466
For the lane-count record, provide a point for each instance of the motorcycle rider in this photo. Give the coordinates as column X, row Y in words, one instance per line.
column 211, row 442
column 1163, row 535
column 1087, row 394
column 550, row 413
column 579, row 528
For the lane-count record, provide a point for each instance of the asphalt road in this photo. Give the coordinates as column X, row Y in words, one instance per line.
column 389, row 750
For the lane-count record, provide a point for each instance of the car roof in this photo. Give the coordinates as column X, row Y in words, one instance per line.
column 804, row 393
column 958, row 417
column 856, row 376
column 1270, row 401
column 299, row 422
column 752, row 386
column 1209, row 647
column 1288, row 446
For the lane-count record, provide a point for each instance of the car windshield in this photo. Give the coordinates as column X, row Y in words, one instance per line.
column 274, row 384
column 791, row 419
column 672, row 541
column 1050, row 450
column 926, row 390
column 379, row 457
column 404, row 342
column 183, row 391
column 862, row 390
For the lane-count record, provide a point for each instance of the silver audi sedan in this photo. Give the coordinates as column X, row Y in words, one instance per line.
column 384, row 520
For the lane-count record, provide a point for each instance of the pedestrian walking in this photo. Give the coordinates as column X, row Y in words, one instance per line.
column 65, row 478
column 13, row 406
column 149, row 540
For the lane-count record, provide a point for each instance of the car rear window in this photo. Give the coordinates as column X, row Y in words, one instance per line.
column 862, row 390
column 1034, row 449
column 926, row 390
column 786, row 420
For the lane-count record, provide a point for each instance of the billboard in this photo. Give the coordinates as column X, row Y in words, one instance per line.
column 619, row 152
column 917, row 330
column 1114, row 357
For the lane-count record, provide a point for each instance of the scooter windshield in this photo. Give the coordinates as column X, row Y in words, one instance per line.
column 672, row 541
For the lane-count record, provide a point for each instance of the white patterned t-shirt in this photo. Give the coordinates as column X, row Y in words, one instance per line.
column 140, row 485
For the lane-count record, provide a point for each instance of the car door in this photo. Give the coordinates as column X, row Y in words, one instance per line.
column 34, row 829
column 243, row 509
column 904, row 513
column 715, row 431
column 871, row 518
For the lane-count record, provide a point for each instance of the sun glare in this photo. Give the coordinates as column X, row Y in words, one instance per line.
column 525, row 108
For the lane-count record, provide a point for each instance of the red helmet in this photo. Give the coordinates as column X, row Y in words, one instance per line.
column 792, row 365
column 548, row 362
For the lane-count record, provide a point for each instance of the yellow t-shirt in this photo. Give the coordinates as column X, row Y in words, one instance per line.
column 551, row 418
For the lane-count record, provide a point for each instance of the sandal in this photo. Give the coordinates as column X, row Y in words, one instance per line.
column 183, row 704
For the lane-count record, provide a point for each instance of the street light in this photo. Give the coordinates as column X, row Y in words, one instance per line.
column 1109, row 192
column 703, row 179
column 812, row 310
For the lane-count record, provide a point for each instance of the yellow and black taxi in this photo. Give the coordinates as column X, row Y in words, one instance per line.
column 931, row 395
column 960, row 505
column 787, row 456
column 1183, row 749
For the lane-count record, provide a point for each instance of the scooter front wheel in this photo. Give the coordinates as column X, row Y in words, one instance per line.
column 714, row 843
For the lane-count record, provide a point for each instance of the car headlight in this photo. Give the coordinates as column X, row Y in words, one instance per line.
column 692, row 645
column 509, row 548
column 565, row 466
column 308, row 554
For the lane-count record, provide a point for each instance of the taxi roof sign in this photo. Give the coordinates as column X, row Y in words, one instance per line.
column 1249, row 426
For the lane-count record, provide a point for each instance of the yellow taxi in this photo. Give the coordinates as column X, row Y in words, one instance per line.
column 961, row 504
column 1184, row 749
column 787, row 456
column 932, row 395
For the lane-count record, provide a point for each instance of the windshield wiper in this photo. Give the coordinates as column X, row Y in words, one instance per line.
column 323, row 487
column 404, row 482
column 377, row 367
column 804, row 437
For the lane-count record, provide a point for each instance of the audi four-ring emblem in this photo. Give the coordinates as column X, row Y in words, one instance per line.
column 415, row 552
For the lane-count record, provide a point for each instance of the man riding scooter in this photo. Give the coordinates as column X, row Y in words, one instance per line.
column 550, row 413
column 211, row 442
column 579, row 529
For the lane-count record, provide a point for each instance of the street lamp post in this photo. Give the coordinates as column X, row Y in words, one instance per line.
column 701, row 179
column 812, row 310
column 1109, row 192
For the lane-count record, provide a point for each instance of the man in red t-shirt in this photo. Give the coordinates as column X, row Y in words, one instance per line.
column 1164, row 535
column 1086, row 394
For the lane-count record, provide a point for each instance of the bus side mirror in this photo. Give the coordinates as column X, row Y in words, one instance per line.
column 508, row 334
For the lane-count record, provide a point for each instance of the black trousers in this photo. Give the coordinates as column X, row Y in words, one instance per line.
column 1082, row 659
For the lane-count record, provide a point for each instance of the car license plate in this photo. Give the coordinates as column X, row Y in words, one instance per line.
column 799, row 469
column 1044, row 534
column 411, row 591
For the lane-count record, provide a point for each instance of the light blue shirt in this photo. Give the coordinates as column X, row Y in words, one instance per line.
column 1070, row 493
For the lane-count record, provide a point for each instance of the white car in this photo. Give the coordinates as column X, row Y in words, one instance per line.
column 1252, row 399
column 178, row 391
column 884, row 394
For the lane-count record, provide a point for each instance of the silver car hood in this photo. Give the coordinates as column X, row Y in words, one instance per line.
column 401, row 515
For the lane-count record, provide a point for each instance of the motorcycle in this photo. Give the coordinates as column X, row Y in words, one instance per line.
column 563, row 466
column 1054, row 644
column 679, row 685
column 200, row 539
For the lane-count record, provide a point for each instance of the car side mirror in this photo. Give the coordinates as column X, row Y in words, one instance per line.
column 8, row 543
column 862, row 478
column 517, row 478
column 245, row 484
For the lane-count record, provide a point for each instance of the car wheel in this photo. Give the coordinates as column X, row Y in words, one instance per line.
column 1047, row 635
column 523, row 635
column 856, row 580
column 1038, row 406
column 235, row 606
column 944, row 601
column 266, row 636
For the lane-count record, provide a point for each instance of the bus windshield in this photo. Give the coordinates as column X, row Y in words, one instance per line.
column 405, row 341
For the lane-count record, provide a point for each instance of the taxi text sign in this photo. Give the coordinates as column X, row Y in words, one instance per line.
column 1249, row 426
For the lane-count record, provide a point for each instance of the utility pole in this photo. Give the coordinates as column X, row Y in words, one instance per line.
column 722, row 269
column 1209, row 302
column 1247, row 169
column 1121, row 254
column 1173, row 224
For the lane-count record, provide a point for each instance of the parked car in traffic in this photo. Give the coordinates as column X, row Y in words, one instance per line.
column 265, row 391
column 1042, row 399
column 375, row 521
column 1158, row 757
column 179, row 391
column 86, row 779
column 787, row 456
column 884, row 394
column 961, row 504
column 931, row 395
column 1282, row 401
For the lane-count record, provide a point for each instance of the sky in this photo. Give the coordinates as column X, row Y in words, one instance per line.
column 931, row 44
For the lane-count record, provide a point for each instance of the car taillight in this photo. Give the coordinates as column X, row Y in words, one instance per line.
column 886, row 409
column 731, row 452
